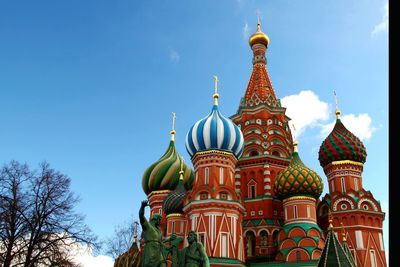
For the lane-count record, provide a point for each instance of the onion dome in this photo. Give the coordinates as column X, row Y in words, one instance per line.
column 173, row 202
column 297, row 179
column 215, row 132
column 164, row 173
column 341, row 144
column 259, row 37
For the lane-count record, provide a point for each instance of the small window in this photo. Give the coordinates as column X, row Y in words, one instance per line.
column 253, row 153
column 203, row 195
column 221, row 175
column 252, row 191
column 343, row 185
column 295, row 211
column 333, row 185
column 356, row 184
column 276, row 153
column 373, row 258
column 223, row 195
column 206, row 175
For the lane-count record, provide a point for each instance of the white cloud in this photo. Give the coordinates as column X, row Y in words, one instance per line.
column 383, row 26
column 359, row 125
column 245, row 30
column 305, row 110
column 85, row 257
column 174, row 56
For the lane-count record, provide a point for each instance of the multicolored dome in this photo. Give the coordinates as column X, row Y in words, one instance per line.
column 164, row 173
column 298, row 179
column 173, row 202
column 341, row 144
column 215, row 132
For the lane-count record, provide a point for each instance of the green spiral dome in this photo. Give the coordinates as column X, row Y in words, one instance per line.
column 164, row 173
column 297, row 179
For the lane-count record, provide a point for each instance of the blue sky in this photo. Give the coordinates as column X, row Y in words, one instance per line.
column 89, row 86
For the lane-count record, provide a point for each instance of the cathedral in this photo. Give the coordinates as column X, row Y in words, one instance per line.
column 250, row 198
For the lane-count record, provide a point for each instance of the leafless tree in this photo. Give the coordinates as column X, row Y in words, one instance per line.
column 13, row 206
column 123, row 238
column 38, row 221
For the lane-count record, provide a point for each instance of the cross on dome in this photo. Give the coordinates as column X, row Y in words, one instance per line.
column 216, row 95
column 337, row 111
column 173, row 127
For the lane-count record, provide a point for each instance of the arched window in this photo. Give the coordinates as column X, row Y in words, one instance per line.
column 250, row 244
column 264, row 238
column 356, row 184
column 295, row 211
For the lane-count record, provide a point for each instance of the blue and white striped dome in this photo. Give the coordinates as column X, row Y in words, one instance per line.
column 215, row 132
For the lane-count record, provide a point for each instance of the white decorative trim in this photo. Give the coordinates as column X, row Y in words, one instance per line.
column 342, row 199
column 369, row 201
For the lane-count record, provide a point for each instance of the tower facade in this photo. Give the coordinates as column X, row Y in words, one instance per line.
column 213, row 208
column 300, row 240
column 268, row 146
column 342, row 156
column 162, row 177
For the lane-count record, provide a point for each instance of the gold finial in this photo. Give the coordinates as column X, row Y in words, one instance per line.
column 337, row 110
column 330, row 219
column 181, row 172
column 343, row 232
column 295, row 149
column 216, row 95
column 173, row 127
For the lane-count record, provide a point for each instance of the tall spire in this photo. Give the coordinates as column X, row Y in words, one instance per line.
column 216, row 95
column 259, row 89
column 173, row 127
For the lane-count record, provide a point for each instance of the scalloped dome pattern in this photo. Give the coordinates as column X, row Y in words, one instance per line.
column 215, row 132
column 341, row 144
column 164, row 173
column 298, row 179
